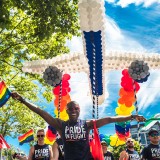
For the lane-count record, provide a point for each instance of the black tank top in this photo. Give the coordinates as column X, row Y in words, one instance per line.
column 60, row 148
column 76, row 140
column 133, row 155
column 41, row 152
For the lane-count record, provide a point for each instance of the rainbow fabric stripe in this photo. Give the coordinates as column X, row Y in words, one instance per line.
column 27, row 137
column 4, row 93
column 50, row 135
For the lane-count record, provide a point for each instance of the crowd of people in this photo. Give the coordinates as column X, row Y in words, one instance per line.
column 73, row 143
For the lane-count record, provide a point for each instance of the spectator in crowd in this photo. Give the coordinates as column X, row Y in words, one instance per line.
column 107, row 154
column 152, row 151
column 40, row 151
column 129, row 153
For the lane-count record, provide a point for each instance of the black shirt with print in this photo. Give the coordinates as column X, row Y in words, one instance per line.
column 108, row 156
column 151, row 152
column 133, row 155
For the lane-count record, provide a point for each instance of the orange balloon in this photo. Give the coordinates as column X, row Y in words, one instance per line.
column 62, row 106
column 122, row 92
column 121, row 101
column 56, row 102
column 67, row 98
column 128, row 103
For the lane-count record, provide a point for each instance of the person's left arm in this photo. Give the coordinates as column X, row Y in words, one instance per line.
column 55, row 151
column 103, row 121
column 51, row 153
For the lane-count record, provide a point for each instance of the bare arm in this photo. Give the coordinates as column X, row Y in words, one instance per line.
column 51, row 153
column 103, row 121
column 123, row 155
column 31, row 152
column 55, row 122
column 55, row 151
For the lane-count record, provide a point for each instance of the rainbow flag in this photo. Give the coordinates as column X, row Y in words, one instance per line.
column 27, row 137
column 4, row 93
column 50, row 135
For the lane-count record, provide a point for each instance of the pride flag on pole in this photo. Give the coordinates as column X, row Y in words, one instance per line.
column 3, row 143
column 27, row 137
column 4, row 93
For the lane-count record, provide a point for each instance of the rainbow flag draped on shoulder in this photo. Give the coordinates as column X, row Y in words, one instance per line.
column 27, row 137
column 4, row 93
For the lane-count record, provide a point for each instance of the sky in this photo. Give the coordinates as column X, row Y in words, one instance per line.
column 131, row 25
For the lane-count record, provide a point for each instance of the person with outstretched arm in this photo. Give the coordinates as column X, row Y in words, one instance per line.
column 74, row 132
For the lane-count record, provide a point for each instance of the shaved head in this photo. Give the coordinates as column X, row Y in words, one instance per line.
column 72, row 104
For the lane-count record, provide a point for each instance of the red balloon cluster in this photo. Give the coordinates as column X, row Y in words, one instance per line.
column 127, row 92
column 65, row 97
column 127, row 82
column 125, row 103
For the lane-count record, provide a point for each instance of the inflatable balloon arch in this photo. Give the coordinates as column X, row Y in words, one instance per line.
column 138, row 72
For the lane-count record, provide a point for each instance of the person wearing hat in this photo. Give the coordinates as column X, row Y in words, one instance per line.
column 129, row 153
column 152, row 151
column 107, row 155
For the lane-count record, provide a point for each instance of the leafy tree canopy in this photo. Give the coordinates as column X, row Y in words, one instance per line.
column 47, row 16
column 30, row 30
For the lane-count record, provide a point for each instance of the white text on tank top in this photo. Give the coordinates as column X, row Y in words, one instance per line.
column 74, row 133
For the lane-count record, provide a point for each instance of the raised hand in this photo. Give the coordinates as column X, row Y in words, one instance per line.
column 139, row 118
column 16, row 96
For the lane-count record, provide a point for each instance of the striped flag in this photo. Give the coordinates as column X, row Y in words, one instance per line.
column 50, row 135
column 4, row 93
column 27, row 137
column 3, row 143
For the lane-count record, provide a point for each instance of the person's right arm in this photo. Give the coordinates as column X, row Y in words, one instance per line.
column 55, row 151
column 31, row 152
column 54, row 122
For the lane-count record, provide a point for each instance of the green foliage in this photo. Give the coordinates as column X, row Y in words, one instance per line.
column 30, row 30
column 117, row 150
column 8, row 153
column 47, row 16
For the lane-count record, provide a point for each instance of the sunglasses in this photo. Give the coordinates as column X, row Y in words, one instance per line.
column 129, row 141
column 42, row 135
column 154, row 135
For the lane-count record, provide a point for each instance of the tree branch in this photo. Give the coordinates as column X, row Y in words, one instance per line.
column 15, row 45
column 11, row 65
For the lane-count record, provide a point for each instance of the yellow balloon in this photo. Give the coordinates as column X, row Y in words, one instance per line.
column 63, row 114
column 124, row 108
column 115, row 141
column 127, row 110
